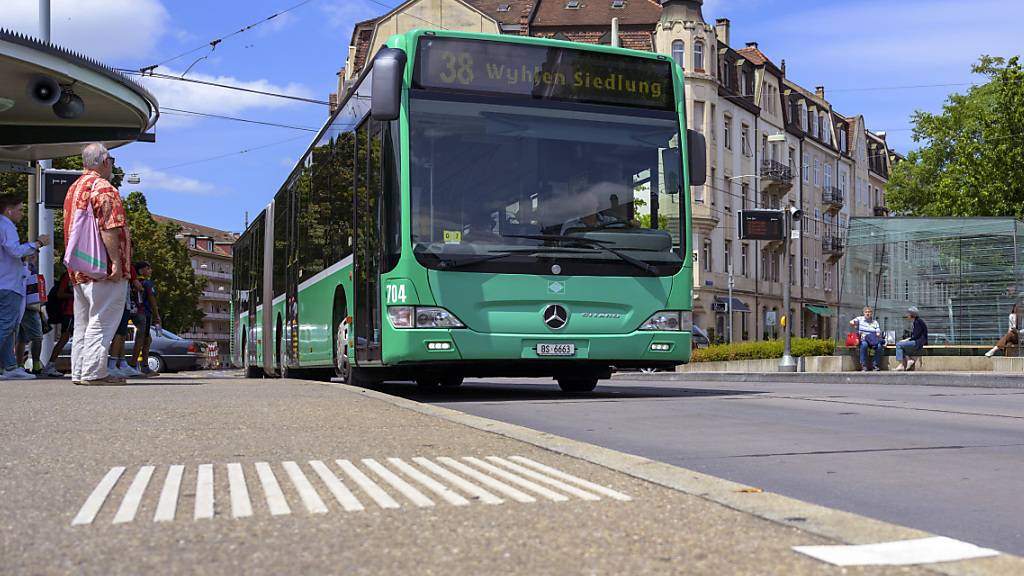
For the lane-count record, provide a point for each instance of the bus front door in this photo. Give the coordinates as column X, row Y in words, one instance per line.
column 366, row 278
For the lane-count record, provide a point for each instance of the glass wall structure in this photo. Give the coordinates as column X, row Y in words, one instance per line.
column 964, row 274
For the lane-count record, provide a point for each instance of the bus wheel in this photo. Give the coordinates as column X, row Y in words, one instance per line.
column 342, row 365
column 577, row 383
column 451, row 381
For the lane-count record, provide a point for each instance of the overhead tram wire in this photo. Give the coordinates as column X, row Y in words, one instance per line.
column 187, row 113
column 212, row 44
column 224, row 86
column 219, row 156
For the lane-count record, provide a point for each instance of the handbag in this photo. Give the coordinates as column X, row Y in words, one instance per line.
column 86, row 253
column 852, row 339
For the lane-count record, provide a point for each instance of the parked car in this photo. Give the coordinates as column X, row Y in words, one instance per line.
column 168, row 352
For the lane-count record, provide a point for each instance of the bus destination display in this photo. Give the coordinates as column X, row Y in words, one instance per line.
column 543, row 73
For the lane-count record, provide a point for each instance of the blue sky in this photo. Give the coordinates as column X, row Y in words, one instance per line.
column 852, row 48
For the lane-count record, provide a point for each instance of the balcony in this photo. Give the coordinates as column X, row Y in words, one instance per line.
column 832, row 198
column 777, row 175
column 206, row 273
column 214, row 295
column 216, row 316
column 833, row 246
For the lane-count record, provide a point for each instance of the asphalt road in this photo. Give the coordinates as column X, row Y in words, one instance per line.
column 945, row 460
column 223, row 476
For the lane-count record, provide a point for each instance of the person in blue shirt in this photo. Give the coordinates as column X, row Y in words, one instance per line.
column 870, row 337
column 12, row 281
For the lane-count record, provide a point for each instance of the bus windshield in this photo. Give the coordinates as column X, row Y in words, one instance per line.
column 504, row 185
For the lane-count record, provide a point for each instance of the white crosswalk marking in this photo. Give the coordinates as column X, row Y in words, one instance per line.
column 204, row 492
column 344, row 496
column 306, row 492
column 241, row 507
column 99, row 495
column 372, row 490
column 397, row 483
column 570, row 478
column 542, row 478
column 392, row 483
column 275, row 498
column 459, row 482
column 453, row 497
column 169, row 495
column 487, row 480
column 133, row 497
column 549, row 494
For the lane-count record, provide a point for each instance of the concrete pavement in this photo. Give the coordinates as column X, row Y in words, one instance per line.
column 61, row 441
column 963, row 379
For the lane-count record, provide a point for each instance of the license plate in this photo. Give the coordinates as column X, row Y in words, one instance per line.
column 556, row 349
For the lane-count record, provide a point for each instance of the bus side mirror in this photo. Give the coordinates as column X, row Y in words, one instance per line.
column 386, row 90
column 698, row 155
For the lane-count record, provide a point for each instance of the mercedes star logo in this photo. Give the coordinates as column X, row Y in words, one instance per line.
column 555, row 316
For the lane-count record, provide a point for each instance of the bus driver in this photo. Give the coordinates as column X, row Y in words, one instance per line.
column 591, row 216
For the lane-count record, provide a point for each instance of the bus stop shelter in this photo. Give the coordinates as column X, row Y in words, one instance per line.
column 964, row 274
column 53, row 101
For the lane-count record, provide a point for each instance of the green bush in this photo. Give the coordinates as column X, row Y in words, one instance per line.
column 763, row 350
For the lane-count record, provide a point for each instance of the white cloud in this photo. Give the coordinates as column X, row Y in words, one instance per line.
column 157, row 180
column 215, row 100
column 106, row 30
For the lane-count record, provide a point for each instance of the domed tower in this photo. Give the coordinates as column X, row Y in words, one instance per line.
column 683, row 34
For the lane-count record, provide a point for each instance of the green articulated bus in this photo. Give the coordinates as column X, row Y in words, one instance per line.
column 481, row 205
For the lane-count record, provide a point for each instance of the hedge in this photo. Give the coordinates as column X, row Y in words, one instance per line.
column 763, row 350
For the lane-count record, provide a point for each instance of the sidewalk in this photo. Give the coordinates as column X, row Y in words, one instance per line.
column 964, row 379
column 250, row 496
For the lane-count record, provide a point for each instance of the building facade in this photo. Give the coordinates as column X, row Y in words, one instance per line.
column 209, row 251
column 771, row 144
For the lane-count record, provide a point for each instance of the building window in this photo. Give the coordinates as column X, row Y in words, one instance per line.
column 803, row 116
column 618, row 4
column 807, row 170
column 807, row 272
column 744, row 191
column 814, row 125
column 698, row 56
column 728, row 256
column 745, row 83
column 816, row 281
column 698, row 116
column 707, row 255
column 679, row 53
column 817, row 218
column 191, row 242
column 745, row 136
column 828, row 175
column 817, row 172
column 821, row 127
column 572, row 5
column 744, row 251
column 727, row 132
column 504, row 7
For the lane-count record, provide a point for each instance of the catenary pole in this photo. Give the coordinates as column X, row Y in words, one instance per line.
column 787, row 363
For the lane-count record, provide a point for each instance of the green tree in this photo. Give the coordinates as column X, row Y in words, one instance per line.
column 176, row 281
column 972, row 159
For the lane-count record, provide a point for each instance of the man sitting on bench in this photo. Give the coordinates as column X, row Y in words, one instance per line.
column 870, row 337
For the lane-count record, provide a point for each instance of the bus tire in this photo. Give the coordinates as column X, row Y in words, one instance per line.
column 575, row 384
column 451, row 381
column 343, row 367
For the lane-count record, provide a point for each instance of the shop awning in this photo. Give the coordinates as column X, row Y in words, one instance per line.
column 820, row 310
column 721, row 304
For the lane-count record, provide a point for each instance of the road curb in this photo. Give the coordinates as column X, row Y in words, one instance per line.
column 841, row 527
column 960, row 380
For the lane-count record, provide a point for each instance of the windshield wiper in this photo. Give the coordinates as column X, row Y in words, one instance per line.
column 449, row 264
column 590, row 242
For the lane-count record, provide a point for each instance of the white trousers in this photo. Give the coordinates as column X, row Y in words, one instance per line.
column 98, row 310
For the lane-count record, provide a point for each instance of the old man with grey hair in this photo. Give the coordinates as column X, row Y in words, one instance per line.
column 99, row 304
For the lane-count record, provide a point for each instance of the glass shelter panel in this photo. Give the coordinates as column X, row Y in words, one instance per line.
column 963, row 274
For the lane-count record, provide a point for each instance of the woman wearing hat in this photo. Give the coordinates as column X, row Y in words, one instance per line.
column 918, row 340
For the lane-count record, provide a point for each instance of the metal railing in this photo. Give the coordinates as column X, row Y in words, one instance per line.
column 772, row 170
column 832, row 196
column 211, row 274
column 214, row 295
column 833, row 245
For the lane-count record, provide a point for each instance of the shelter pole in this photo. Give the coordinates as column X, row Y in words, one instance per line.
column 45, row 215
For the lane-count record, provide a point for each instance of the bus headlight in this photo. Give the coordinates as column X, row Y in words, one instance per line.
column 422, row 317
column 669, row 321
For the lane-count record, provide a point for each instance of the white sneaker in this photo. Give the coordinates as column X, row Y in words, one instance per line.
column 992, row 352
column 49, row 371
column 911, row 364
column 130, row 372
column 18, row 373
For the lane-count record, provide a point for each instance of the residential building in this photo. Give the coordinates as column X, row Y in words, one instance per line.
column 209, row 251
column 771, row 144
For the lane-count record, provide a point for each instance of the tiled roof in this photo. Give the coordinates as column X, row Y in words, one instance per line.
column 754, row 55
column 635, row 40
column 199, row 230
column 596, row 13
column 510, row 16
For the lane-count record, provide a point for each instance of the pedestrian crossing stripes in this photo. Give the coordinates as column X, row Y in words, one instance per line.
column 393, row 483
